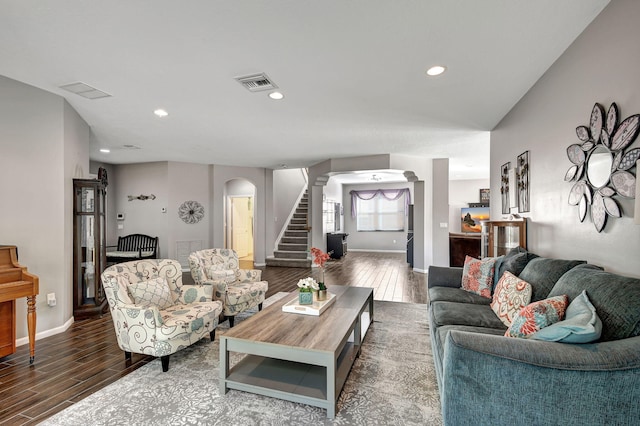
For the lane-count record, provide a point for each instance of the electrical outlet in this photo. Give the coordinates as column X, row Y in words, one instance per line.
column 51, row 299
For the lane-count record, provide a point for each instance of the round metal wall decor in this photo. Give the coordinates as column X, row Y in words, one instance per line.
column 191, row 212
column 602, row 165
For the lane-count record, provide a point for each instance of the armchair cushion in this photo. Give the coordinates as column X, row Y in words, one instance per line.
column 154, row 292
column 224, row 275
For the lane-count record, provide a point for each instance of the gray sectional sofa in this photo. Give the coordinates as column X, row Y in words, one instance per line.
column 486, row 378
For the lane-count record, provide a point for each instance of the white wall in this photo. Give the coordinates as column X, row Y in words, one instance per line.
column 461, row 193
column 287, row 186
column 601, row 66
column 144, row 216
column 187, row 182
column 372, row 241
column 42, row 140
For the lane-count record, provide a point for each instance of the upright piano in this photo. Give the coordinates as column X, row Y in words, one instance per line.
column 15, row 282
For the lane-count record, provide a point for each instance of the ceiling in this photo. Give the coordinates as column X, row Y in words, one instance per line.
column 352, row 74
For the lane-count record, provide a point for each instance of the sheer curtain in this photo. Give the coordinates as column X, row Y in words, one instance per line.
column 382, row 222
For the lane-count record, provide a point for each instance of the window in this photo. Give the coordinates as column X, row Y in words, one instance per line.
column 381, row 214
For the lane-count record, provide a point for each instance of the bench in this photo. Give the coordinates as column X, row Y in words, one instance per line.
column 133, row 247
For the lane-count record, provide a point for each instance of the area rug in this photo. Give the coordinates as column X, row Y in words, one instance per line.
column 393, row 382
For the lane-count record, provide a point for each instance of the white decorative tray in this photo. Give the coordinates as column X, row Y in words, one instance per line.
column 314, row 309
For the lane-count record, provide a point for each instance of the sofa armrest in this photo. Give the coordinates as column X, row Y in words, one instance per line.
column 190, row 293
column 545, row 381
column 248, row 275
column 444, row 276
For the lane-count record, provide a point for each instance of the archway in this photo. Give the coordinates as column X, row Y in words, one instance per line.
column 239, row 219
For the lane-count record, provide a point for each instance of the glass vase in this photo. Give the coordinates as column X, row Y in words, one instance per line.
column 305, row 298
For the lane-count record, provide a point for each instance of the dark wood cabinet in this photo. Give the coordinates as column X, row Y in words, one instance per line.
column 89, row 245
column 462, row 245
column 337, row 244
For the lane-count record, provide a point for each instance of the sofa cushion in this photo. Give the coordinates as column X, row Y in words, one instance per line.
column 580, row 325
column 477, row 275
column 511, row 295
column 615, row 297
column 543, row 273
column 537, row 315
column 448, row 294
column 451, row 313
column 515, row 261
column 153, row 292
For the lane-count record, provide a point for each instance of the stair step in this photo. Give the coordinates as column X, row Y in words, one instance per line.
column 295, row 221
column 300, row 216
column 290, row 263
column 294, row 227
column 284, row 254
column 292, row 247
column 294, row 240
column 298, row 234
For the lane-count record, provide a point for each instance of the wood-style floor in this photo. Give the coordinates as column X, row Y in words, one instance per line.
column 72, row 365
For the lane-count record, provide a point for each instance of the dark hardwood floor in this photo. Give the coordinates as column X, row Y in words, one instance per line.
column 72, row 365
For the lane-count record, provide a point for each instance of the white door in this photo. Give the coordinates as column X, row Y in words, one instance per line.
column 242, row 226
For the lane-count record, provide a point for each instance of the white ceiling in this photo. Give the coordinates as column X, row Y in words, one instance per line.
column 352, row 72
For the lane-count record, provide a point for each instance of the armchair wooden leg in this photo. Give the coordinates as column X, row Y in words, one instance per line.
column 260, row 307
column 127, row 356
column 212, row 334
column 231, row 319
column 165, row 363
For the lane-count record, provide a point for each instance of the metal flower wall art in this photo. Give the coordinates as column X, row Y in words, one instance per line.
column 191, row 212
column 602, row 164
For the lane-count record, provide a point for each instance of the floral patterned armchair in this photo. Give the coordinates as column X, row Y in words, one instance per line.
column 237, row 289
column 153, row 312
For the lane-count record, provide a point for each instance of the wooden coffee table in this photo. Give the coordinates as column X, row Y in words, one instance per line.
column 296, row 357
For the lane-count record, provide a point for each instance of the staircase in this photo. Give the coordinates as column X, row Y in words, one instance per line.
column 293, row 246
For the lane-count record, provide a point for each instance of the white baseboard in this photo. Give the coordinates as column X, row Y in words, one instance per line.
column 259, row 264
column 420, row 271
column 64, row 327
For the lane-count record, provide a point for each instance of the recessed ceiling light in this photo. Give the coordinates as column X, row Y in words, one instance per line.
column 105, row 150
column 161, row 113
column 436, row 70
column 276, row 95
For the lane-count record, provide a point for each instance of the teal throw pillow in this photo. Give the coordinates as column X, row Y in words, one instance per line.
column 581, row 324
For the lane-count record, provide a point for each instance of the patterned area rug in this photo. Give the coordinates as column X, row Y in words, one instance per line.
column 392, row 383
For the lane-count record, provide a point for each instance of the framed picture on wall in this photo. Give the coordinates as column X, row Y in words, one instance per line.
column 484, row 195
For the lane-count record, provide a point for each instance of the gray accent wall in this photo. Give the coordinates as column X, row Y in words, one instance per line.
column 602, row 65
column 44, row 142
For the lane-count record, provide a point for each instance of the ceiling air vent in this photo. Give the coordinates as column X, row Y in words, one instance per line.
column 84, row 90
column 256, row 82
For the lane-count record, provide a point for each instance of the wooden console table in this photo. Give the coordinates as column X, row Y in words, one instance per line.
column 16, row 282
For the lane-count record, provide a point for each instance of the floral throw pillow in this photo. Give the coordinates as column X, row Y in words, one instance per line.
column 538, row 315
column 154, row 292
column 511, row 295
column 477, row 275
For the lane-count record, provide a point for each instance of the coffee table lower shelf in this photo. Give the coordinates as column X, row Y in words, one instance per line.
column 290, row 380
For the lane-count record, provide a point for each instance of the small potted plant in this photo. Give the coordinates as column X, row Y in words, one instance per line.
column 320, row 258
column 306, row 288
